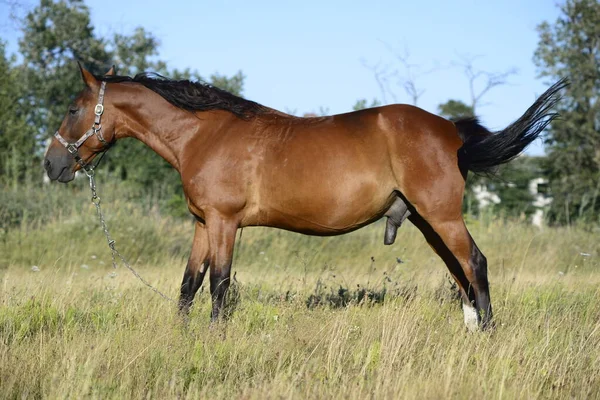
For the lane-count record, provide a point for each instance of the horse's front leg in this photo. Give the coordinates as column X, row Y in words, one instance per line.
column 221, row 238
column 195, row 270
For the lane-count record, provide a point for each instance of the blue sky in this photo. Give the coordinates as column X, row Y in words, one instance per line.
column 301, row 56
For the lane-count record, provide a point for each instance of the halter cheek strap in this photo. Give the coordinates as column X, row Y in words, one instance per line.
column 96, row 129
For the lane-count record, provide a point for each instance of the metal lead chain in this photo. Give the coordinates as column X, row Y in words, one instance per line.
column 111, row 242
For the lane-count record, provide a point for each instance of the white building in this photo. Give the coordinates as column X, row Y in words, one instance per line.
column 538, row 188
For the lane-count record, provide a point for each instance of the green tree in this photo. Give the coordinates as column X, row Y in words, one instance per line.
column 570, row 48
column 512, row 185
column 136, row 53
column 454, row 109
column 233, row 84
column 55, row 35
column 17, row 138
column 361, row 104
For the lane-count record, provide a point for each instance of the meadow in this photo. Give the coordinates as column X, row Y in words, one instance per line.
column 337, row 317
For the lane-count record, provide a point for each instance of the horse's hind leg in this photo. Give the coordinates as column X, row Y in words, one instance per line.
column 453, row 243
column 195, row 270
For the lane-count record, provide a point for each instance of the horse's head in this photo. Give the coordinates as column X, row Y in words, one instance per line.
column 84, row 132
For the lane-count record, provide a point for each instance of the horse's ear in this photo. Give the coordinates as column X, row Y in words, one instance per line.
column 111, row 71
column 89, row 79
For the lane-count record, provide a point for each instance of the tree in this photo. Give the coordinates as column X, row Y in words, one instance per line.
column 56, row 34
column 386, row 76
column 233, row 84
column 455, row 109
column 570, row 47
column 512, row 185
column 17, row 138
column 481, row 82
column 361, row 104
column 134, row 54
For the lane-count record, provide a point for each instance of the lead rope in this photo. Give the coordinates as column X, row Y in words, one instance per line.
column 111, row 241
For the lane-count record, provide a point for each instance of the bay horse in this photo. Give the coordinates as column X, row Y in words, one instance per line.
column 244, row 164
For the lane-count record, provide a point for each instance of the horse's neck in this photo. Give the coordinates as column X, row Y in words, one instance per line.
column 161, row 126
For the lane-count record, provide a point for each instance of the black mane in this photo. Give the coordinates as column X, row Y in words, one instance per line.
column 192, row 96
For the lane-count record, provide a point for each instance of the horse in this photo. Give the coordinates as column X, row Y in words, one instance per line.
column 244, row 164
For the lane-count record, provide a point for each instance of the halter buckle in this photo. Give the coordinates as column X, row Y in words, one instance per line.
column 72, row 149
column 99, row 109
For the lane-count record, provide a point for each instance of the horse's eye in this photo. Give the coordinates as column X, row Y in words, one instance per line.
column 73, row 111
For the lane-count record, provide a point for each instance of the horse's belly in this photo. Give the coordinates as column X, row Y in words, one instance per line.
column 330, row 205
column 323, row 181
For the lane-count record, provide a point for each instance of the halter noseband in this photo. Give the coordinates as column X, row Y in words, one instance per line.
column 73, row 148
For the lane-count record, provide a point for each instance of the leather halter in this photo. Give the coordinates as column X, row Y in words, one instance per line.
column 96, row 129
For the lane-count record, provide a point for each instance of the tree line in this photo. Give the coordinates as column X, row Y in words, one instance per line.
column 36, row 84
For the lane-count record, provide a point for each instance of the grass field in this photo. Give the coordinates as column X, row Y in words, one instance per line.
column 303, row 325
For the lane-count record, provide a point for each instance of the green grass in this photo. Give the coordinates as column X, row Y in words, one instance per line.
column 79, row 329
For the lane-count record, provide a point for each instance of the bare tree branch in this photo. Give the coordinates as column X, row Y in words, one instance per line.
column 490, row 79
column 382, row 76
column 407, row 80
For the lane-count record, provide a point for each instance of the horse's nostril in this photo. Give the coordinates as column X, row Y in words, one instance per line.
column 47, row 164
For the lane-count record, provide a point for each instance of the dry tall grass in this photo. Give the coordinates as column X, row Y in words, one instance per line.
column 78, row 329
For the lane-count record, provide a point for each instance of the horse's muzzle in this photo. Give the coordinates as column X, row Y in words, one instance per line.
column 59, row 170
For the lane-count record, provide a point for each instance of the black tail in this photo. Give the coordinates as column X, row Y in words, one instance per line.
column 483, row 150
